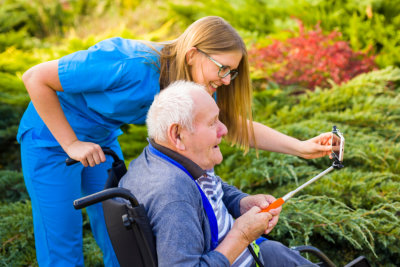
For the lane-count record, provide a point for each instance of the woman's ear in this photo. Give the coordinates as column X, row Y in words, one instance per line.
column 174, row 136
column 190, row 54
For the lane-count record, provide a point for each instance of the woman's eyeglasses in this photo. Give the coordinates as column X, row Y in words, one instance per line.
column 223, row 70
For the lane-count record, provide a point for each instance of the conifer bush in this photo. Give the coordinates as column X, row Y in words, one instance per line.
column 350, row 212
column 347, row 213
column 16, row 234
column 12, row 187
column 367, row 25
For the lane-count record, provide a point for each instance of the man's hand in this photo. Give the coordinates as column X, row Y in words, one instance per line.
column 251, row 225
column 245, row 230
column 261, row 201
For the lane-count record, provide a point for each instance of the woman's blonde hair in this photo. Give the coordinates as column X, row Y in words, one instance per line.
column 214, row 35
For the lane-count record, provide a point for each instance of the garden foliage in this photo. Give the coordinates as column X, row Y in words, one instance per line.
column 356, row 210
column 309, row 60
column 349, row 212
column 366, row 24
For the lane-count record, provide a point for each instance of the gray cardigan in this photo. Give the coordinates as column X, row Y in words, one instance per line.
column 174, row 207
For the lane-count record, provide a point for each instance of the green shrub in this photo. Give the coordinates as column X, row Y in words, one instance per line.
column 327, row 222
column 12, row 187
column 349, row 212
column 17, row 239
column 367, row 25
column 250, row 16
column 43, row 18
column 38, row 18
column 16, row 234
column 133, row 141
column 354, row 209
column 9, row 149
column 18, row 39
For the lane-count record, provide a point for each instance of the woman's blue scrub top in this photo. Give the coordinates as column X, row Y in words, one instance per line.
column 110, row 84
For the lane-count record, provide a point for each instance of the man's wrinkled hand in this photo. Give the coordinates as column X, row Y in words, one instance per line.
column 261, row 201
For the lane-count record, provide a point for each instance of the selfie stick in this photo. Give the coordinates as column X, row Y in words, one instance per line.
column 279, row 202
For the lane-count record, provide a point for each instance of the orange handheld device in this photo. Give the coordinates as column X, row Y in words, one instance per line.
column 337, row 143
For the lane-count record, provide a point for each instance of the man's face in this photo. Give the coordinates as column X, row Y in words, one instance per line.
column 201, row 145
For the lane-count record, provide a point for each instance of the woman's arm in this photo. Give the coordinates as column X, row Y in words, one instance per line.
column 42, row 83
column 272, row 140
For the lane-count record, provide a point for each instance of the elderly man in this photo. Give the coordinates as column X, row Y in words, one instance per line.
column 190, row 209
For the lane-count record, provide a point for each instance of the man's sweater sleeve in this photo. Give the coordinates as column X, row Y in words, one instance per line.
column 180, row 238
column 231, row 199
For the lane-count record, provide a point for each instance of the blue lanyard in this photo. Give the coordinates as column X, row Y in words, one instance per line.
column 206, row 204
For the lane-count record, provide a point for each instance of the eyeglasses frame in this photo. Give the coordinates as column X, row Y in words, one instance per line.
column 234, row 73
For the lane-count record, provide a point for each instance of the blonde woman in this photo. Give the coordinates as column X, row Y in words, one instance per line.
column 80, row 101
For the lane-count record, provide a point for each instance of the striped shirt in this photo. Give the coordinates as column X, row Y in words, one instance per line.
column 212, row 188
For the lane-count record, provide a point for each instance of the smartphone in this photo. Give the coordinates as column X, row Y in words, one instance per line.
column 337, row 144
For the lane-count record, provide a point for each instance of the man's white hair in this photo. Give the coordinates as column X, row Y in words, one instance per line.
column 174, row 104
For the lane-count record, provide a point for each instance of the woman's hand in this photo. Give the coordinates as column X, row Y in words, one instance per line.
column 89, row 154
column 316, row 147
column 272, row 140
column 261, row 201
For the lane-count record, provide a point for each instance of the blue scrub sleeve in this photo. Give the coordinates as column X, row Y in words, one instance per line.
column 117, row 78
column 108, row 64
column 90, row 70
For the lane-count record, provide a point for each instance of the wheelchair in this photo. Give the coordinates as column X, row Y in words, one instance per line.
column 129, row 227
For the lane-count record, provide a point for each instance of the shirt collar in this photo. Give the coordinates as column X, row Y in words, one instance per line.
column 195, row 170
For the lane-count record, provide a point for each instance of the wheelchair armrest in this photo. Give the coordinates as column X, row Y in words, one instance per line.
column 317, row 253
column 104, row 195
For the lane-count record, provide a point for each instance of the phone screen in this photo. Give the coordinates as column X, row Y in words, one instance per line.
column 338, row 145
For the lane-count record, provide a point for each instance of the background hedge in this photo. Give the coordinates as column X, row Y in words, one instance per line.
column 350, row 212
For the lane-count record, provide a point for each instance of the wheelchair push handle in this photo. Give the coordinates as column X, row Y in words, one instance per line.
column 106, row 150
column 104, row 195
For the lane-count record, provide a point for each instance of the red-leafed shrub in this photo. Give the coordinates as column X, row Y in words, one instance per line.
column 309, row 59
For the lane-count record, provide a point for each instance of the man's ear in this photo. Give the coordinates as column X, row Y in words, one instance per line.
column 174, row 136
column 190, row 55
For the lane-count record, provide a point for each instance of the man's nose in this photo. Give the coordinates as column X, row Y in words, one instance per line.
column 222, row 130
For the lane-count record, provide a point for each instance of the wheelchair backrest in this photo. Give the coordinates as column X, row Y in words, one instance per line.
column 130, row 234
